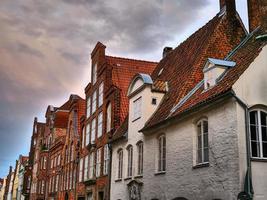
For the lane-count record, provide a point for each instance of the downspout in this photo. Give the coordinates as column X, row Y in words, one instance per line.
column 246, row 108
column 109, row 169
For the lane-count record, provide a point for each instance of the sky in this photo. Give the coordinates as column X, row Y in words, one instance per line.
column 45, row 51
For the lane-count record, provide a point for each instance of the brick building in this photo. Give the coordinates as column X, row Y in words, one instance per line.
column 106, row 108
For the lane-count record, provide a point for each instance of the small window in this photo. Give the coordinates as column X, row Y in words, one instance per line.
column 85, row 173
column 106, row 159
column 108, row 117
column 92, row 166
column 81, row 170
column 100, row 94
column 87, row 137
column 88, row 107
column 258, row 133
column 98, row 162
column 130, row 161
column 154, row 101
column 93, row 132
column 140, row 158
column 100, row 125
column 162, row 153
column 202, row 142
column 94, row 73
column 137, row 108
column 120, row 163
column 94, row 102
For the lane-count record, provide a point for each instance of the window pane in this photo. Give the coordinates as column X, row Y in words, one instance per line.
column 253, row 132
column 199, row 142
column 206, row 140
column 264, row 133
column 253, row 117
column 264, row 146
column 199, row 156
column 254, row 149
column 206, row 155
column 205, row 126
column 263, row 118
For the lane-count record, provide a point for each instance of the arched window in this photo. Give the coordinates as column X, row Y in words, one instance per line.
column 162, row 153
column 258, row 133
column 130, row 161
column 108, row 117
column 202, row 142
column 120, row 163
column 140, row 149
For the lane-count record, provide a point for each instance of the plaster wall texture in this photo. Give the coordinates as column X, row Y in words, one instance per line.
column 119, row 189
column 252, row 89
column 221, row 180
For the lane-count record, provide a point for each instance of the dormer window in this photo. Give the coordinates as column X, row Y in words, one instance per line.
column 94, row 73
column 214, row 71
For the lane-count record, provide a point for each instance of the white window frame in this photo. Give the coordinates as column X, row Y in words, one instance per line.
column 93, row 131
column 100, row 125
column 85, row 171
column 259, row 133
column 162, row 153
column 88, row 107
column 140, row 160
column 87, row 136
column 100, row 94
column 120, row 163
column 92, row 165
column 81, row 170
column 201, row 144
column 106, row 159
column 98, row 162
column 94, row 101
column 130, row 161
column 94, row 73
column 108, row 117
column 137, row 108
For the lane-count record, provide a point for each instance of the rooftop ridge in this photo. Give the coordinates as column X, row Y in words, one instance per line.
column 131, row 59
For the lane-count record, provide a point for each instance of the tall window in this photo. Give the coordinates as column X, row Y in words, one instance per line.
column 109, row 117
column 81, row 170
column 94, row 102
column 83, row 137
column 88, row 107
column 106, row 159
column 85, row 168
column 137, row 108
column 100, row 94
column 98, row 162
column 92, row 166
column 45, row 162
column 130, row 161
column 87, row 137
column 162, row 153
column 93, row 132
column 100, row 125
column 258, row 133
column 94, row 73
column 202, row 142
column 140, row 152
column 120, row 163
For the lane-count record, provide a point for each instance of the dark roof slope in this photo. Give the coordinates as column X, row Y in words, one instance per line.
column 182, row 68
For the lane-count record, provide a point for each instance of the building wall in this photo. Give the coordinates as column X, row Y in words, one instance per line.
column 2, row 190
column 251, row 88
column 220, row 180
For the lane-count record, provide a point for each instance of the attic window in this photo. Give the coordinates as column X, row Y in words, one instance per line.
column 154, row 101
column 214, row 71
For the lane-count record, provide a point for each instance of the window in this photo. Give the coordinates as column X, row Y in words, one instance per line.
column 70, row 183
column 92, row 166
column 108, row 117
column 258, row 133
column 81, row 170
column 93, row 132
column 210, row 78
column 83, row 137
column 137, row 104
column 202, row 142
column 45, row 161
column 130, row 161
column 56, row 183
column 140, row 158
column 94, row 73
column 88, row 107
column 100, row 125
column 85, row 168
column 94, row 102
column 120, row 163
column 98, row 162
column 154, row 101
column 87, row 137
column 100, row 94
column 162, row 153
column 58, row 160
column 106, row 159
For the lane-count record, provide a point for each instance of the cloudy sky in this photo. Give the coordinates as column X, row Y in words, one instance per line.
column 45, row 47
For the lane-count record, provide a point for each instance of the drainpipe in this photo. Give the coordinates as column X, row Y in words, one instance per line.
column 246, row 108
column 109, row 169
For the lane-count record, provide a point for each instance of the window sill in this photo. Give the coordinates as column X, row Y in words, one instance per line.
column 259, row 159
column 160, row 173
column 128, row 178
column 138, row 176
column 118, row 180
column 201, row 165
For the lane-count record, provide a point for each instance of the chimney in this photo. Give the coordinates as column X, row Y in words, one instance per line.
column 166, row 50
column 257, row 14
column 230, row 8
column 222, row 4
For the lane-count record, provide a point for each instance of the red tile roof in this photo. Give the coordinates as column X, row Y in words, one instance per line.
column 183, row 67
column 123, row 71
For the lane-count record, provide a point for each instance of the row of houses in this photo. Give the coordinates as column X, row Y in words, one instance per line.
column 193, row 126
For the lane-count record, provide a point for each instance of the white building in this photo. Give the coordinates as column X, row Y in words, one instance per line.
column 206, row 137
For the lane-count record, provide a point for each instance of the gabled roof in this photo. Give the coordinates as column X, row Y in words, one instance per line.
column 123, row 69
column 183, row 67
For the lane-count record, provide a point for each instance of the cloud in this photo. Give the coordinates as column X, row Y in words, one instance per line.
column 45, row 48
